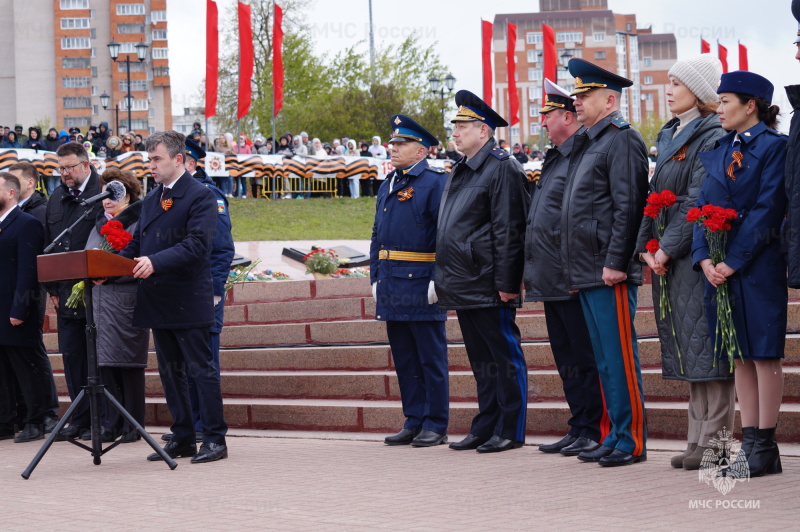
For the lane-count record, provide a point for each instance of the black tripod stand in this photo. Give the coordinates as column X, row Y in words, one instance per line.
column 94, row 389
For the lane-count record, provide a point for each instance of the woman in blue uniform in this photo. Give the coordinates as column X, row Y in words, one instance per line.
column 745, row 173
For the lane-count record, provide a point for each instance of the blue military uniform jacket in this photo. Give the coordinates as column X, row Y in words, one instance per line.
column 758, row 288
column 21, row 240
column 405, row 220
column 177, row 240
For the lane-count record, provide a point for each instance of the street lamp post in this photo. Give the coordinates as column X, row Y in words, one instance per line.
column 104, row 98
column 141, row 53
column 437, row 87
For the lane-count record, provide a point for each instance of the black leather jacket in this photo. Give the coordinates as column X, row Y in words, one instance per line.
column 791, row 232
column 603, row 203
column 481, row 231
column 544, row 265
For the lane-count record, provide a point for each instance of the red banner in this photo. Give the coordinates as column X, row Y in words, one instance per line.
column 486, row 58
column 277, row 60
column 212, row 57
column 705, row 48
column 743, row 57
column 511, row 67
column 245, row 59
column 723, row 57
column 550, row 58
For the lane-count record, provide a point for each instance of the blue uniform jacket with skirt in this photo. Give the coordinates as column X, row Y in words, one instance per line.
column 405, row 220
column 758, row 287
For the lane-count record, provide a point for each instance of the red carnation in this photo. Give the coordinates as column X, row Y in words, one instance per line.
column 652, row 211
column 652, row 246
column 694, row 214
column 668, row 198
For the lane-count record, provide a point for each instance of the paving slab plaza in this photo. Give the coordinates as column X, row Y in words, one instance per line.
column 308, row 481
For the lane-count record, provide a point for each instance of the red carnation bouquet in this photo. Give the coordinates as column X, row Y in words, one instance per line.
column 116, row 237
column 716, row 222
column 657, row 203
column 115, row 240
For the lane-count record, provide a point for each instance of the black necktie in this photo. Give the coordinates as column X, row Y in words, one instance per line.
column 75, row 192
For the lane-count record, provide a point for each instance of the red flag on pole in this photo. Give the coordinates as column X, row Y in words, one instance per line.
column 511, row 67
column 277, row 60
column 742, row 57
column 212, row 57
column 550, row 60
column 723, row 57
column 705, row 48
column 245, row 59
column 486, row 57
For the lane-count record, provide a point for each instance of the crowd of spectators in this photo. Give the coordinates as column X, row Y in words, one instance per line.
column 101, row 141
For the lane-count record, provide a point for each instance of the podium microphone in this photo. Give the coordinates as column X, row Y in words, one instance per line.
column 114, row 191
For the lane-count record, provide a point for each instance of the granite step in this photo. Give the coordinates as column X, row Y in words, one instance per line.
column 664, row 419
column 543, row 385
column 538, row 355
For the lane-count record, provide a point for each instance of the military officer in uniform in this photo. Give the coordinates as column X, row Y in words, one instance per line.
column 479, row 266
column 545, row 281
column 222, row 251
column 602, row 209
column 401, row 269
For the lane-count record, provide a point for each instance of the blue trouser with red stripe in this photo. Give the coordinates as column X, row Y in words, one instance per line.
column 609, row 313
column 501, row 374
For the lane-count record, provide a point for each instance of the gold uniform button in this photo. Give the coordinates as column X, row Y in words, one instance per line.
column 409, row 275
column 378, row 317
column 384, row 209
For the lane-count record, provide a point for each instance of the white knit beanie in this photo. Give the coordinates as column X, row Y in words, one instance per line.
column 700, row 74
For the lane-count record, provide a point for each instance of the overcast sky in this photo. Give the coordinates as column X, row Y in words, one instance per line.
column 766, row 27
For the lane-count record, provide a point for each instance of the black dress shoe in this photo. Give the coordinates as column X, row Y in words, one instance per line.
column 497, row 444
column 596, row 455
column 620, row 457
column 557, row 446
column 581, row 445
column 468, row 443
column 175, row 450
column 130, row 437
column 50, row 423
column 31, row 432
column 404, row 437
column 70, row 432
column 108, row 435
column 428, row 438
column 86, row 435
column 167, row 436
column 210, row 452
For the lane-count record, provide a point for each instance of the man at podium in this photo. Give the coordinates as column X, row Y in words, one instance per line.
column 172, row 249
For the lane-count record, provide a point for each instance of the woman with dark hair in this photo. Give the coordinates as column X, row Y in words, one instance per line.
column 35, row 140
column 687, row 354
column 746, row 173
column 11, row 141
column 121, row 347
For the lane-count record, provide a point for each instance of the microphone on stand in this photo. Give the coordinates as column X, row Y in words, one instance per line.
column 115, row 191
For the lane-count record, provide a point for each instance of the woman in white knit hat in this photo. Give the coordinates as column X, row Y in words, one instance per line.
column 687, row 353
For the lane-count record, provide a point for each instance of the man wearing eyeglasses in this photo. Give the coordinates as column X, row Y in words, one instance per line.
column 79, row 181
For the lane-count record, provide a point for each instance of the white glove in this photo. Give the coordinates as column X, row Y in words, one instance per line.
column 432, row 297
column 217, row 299
column 375, row 291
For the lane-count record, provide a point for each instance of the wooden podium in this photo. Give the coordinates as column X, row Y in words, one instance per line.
column 78, row 265
column 87, row 265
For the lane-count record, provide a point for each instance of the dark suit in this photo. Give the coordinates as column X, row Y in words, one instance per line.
column 62, row 211
column 176, row 301
column 22, row 353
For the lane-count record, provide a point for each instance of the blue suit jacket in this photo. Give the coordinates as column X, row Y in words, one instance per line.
column 179, row 294
column 21, row 240
column 407, row 225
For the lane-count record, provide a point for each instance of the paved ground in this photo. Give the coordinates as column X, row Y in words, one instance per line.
column 287, row 483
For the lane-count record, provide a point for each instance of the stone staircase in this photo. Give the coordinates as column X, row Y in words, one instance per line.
column 309, row 356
